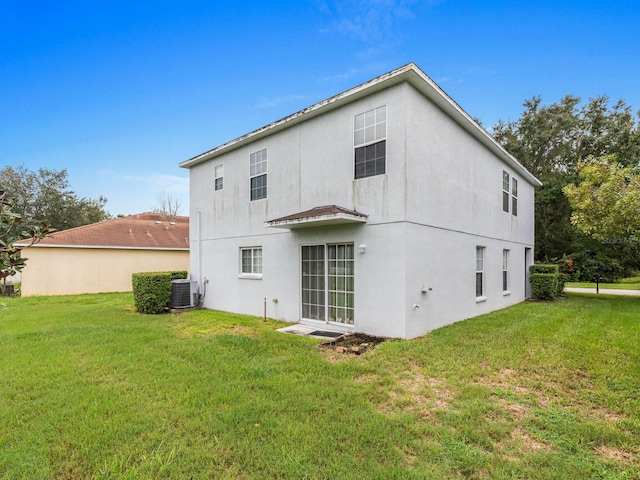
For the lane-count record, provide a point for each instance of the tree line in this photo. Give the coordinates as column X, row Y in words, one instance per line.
column 587, row 212
column 587, row 156
column 45, row 197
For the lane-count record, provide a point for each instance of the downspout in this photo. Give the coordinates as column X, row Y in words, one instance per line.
column 199, row 242
column 199, row 260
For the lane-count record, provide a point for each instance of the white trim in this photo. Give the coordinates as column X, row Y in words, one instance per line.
column 329, row 326
column 218, row 174
column 324, row 220
column 250, row 276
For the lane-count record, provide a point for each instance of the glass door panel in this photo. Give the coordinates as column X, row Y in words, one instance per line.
column 341, row 283
column 313, row 282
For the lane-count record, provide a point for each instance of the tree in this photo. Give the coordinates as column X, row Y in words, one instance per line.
column 11, row 260
column 45, row 197
column 551, row 141
column 606, row 202
column 168, row 206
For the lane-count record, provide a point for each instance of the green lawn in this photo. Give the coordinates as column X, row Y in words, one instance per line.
column 631, row 283
column 91, row 389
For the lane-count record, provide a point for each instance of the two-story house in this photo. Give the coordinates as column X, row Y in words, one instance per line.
column 385, row 209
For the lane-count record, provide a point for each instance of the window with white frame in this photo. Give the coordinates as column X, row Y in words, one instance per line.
column 505, row 191
column 514, row 197
column 328, row 276
column 258, row 174
column 251, row 261
column 369, row 141
column 505, row 270
column 479, row 272
column 218, row 177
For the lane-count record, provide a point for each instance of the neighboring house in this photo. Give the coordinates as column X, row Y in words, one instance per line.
column 385, row 209
column 102, row 256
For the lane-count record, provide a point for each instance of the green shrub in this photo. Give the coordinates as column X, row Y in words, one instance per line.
column 562, row 279
column 543, row 268
column 544, row 286
column 152, row 290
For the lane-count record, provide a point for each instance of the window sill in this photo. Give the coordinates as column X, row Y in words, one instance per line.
column 506, row 293
column 481, row 299
column 250, row 276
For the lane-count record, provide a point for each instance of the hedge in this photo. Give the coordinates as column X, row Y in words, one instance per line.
column 152, row 290
column 543, row 268
column 544, row 286
column 562, row 279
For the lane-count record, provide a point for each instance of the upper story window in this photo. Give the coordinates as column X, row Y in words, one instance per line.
column 514, row 197
column 258, row 174
column 369, row 141
column 505, row 191
column 218, row 177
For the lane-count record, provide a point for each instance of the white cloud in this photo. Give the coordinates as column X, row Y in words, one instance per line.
column 270, row 102
column 365, row 71
column 138, row 193
column 367, row 20
column 161, row 182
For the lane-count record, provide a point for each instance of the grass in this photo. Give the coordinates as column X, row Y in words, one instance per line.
column 91, row 389
column 631, row 283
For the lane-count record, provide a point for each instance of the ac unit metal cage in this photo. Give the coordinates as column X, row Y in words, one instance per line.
column 184, row 293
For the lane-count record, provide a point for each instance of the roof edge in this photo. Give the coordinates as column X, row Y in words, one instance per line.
column 410, row 73
column 105, row 247
column 296, row 117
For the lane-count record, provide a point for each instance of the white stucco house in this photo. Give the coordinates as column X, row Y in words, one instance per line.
column 385, row 209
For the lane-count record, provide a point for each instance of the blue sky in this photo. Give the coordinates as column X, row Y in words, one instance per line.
column 120, row 92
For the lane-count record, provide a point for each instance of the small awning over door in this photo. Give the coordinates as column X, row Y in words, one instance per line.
column 318, row 217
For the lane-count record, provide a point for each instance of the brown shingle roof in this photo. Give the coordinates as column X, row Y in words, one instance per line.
column 319, row 212
column 144, row 230
column 318, row 216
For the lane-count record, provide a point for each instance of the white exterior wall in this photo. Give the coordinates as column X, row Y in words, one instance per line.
column 440, row 198
column 454, row 204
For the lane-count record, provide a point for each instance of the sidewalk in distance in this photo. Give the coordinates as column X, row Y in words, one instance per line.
column 605, row 291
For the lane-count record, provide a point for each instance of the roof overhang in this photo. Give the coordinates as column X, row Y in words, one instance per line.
column 408, row 73
column 103, row 247
column 318, row 217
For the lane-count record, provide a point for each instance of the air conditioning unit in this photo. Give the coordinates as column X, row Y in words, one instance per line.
column 184, row 294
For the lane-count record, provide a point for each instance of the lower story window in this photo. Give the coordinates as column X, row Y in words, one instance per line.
column 505, row 270
column 479, row 272
column 251, row 260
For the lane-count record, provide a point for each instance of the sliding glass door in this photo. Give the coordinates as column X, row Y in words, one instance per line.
column 328, row 283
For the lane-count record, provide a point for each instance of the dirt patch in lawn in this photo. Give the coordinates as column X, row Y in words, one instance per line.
column 353, row 343
column 617, row 454
column 418, row 394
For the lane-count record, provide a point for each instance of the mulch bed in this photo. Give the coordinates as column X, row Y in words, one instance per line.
column 353, row 343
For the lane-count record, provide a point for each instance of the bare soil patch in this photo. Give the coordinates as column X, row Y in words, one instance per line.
column 353, row 343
